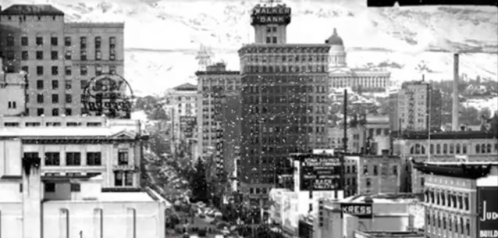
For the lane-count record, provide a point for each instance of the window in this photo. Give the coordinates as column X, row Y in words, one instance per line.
column 274, row 40
column 123, row 158
column 10, row 41
column 55, row 84
column 112, row 69
column 69, row 112
column 75, row 187
column 128, row 178
column 98, row 70
column 69, row 98
column 55, row 112
column 39, row 84
column 25, row 69
column 52, row 159
column 268, row 40
column 40, row 111
column 69, row 55
column 50, row 187
column 365, row 169
column 73, row 158
column 83, row 55
column 438, row 149
column 30, row 155
column 67, row 41
column 93, row 158
column 67, row 84
column 112, row 54
column 98, row 42
column 83, row 42
column 395, row 170
column 67, row 70
column 464, row 149
column 375, row 172
column 445, row 148
column 12, row 105
column 55, row 98
column 112, row 42
column 39, row 98
column 368, row 182
column 55, row 55
column 24, row 41
column 83, row 70
column 24, row 55
column 98, row 55
column 39, row 41
column 55, row 70
column 83, row 84
column 118, row 178
column 54, row 41
column 39, row 55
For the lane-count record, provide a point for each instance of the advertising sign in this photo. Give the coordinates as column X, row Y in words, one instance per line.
column 108, row 94
column 362, row 210
column 488, row 212
column 271, row 15
column 187, row 124
column 320, row 172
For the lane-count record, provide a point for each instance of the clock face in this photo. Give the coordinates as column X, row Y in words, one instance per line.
column 108, row 94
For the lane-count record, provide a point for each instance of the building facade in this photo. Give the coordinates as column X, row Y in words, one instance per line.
column 12, row 93
column 414, row 105
column 35, row 205
column 60, row 58
column 359, row 80
column 284, row 99
column 460, row 199
column 181, row 107
column 214, row 81
column 74, row 146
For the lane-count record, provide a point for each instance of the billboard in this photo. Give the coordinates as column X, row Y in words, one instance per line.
column 271, row 15
column 488, row 212
column 320, row 172
column 361, row 210
column 187, row 125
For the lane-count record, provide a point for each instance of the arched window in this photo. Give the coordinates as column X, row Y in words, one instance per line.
column 483, row 148
column 478, row 149
column 412, row 150
column 450, row 224
column 422, row 149
column 458, row 148
column 488, row 148
column 432, row 149
column 452, row 149
column 428, row 219
column 464, row 149
column 445, row 149
column 438, row 149
column 417, row 149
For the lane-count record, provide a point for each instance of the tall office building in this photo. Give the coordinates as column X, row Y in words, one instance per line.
column 284, row 100
column 414, row 105
column 212, row 83
column 180, row 106
column 60, row 58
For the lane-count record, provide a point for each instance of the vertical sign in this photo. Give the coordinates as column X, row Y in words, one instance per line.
column 487, row 222
column 320, row 172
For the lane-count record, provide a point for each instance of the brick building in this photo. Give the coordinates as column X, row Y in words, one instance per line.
column 60, row 58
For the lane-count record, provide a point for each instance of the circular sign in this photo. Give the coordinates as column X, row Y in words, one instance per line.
column 108, row 94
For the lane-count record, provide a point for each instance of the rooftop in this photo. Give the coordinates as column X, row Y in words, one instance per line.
column 457, row 170
column 449, row 135
column 384, row 198
column 334, row 39
column 383, row 234
column 186, row 87
column 32, row 10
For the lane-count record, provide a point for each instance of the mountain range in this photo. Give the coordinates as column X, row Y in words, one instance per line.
column 162, row 37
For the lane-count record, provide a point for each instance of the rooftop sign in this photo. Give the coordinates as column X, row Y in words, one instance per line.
column 320, row 172
column 280, row 15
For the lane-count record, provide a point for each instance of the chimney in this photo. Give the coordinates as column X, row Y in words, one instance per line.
column 455, row 113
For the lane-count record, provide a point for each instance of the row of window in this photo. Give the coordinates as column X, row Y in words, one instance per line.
column 74, row 158
column 375, row 170
column 281, row 109
column 453, row 149
column 285, row 69
column 284, row 99
column 56, row 111
column 450, row 224
column 54, row 41
column 68, row 84
column 52, row 124
column 449, row 200
column 54, row 55
column 68, row 70
column 271, row 90
column 288, row 58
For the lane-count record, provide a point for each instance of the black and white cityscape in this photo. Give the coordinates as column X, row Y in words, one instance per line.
column 248, row 119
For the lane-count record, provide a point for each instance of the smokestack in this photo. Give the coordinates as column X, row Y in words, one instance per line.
column 455, row 113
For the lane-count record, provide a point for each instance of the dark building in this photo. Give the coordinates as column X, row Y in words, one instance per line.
column 284, row 100
column 231, row 126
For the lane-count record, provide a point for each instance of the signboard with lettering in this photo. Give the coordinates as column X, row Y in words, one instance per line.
column 487, row 223
column 187, row 125
column 280, row 15
column 361, row 210
column 108, row 94
column 320, row 172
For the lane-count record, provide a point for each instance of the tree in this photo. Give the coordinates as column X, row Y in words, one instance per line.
column 198, row 182
column 159, row 114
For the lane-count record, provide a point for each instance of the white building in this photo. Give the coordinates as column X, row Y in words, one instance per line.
column 74, row 146
column 12, row 92
column 180, row 103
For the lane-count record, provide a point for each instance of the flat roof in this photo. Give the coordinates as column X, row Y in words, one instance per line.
column 391, row 233
column 59, row 131
column 384, row 198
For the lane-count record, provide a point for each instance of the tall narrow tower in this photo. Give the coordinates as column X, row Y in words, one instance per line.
column 270, row 20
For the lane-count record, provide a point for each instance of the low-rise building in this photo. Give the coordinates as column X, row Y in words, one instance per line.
column 74, row 146
column 386, row 234
column 382, row 212
column 34, row 205
column 460, row 199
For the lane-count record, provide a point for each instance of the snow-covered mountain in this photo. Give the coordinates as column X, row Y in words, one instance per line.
column 162, row 37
